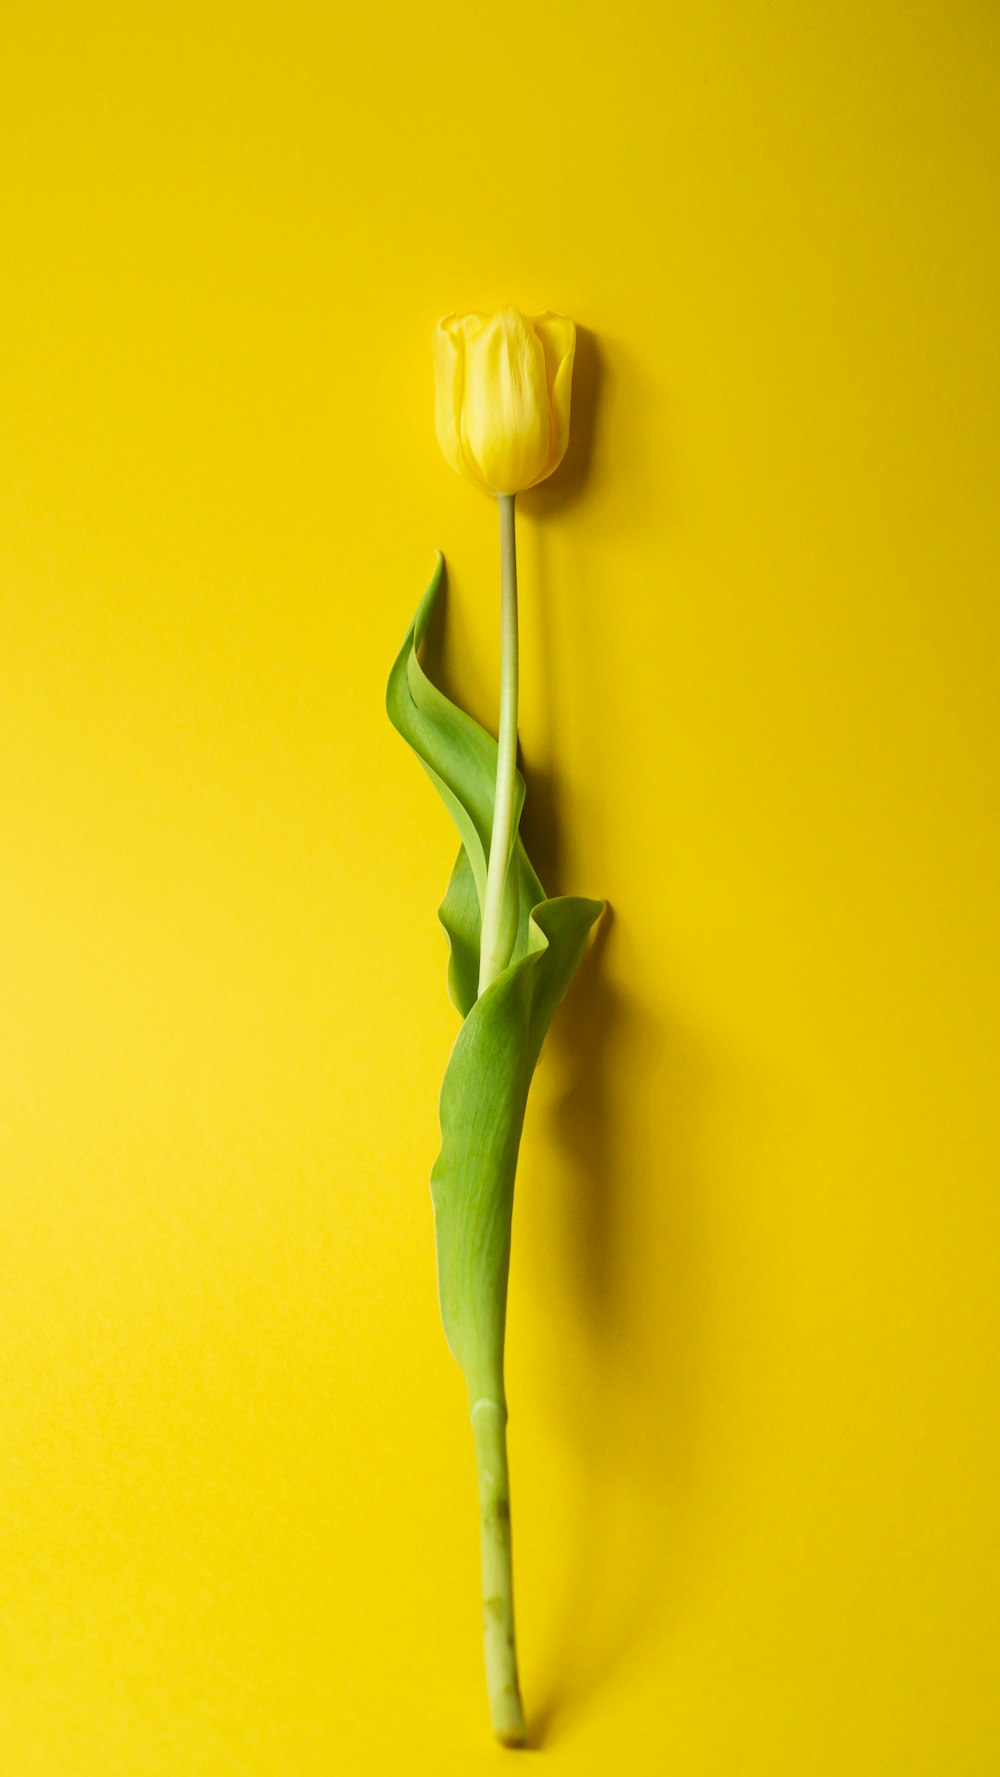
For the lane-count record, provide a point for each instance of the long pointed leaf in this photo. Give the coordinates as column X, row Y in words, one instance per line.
column 460, row 759
column 482, row 1105
column 486, row 1084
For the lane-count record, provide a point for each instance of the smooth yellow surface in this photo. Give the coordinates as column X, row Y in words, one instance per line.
column 753, row 1332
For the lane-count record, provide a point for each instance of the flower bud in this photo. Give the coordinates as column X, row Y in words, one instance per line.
column 502, row 392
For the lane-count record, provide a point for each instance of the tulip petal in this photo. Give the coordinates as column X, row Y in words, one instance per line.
column 449, row 354
column 469, row 325
column 504, row 415
column 450, row 336
column 558, row 336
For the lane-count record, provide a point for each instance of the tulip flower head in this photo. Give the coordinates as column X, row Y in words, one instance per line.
column 502, row 396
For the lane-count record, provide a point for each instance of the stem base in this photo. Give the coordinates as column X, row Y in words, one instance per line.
column 489, row 1422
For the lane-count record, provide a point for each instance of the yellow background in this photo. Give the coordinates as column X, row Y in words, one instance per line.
column 753, row 1334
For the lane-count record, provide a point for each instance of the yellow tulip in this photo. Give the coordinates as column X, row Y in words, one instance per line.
column 502, row 393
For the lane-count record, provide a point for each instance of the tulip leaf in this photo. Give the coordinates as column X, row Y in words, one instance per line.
column 460, row 759
column 482, row 1106
column 485, row 1088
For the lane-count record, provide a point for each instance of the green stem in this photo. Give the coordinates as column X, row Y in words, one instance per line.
column 489, row 1422
column 493, row 957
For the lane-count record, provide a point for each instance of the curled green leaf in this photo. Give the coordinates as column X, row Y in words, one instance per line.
column 485, row 1089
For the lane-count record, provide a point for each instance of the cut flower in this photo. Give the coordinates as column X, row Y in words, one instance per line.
column 502, row 396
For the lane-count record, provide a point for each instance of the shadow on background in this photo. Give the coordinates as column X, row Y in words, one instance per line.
column 621, row 1220
column 620, row 1212
column 564, row 488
